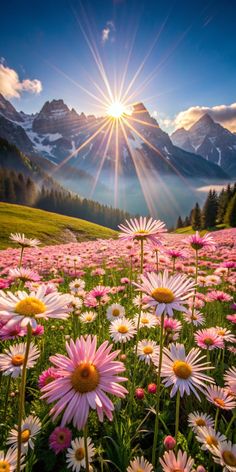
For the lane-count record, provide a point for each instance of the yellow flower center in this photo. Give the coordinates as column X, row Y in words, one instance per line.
column 211, row 441
column 18, row 359
column 115, row 312
column 221, row 332
column 144, row 320
column 200, row 422
column 4, row 466
column 148, row 350
column 219, row 402
column 25, row 435
column 89, row 318
column 163, row 295
column 182, row 369
column 79, row 454
column 123, row 329
column 229, row 458
column 208, row 341
column 140, row 470
column 85, row 378
column 30, row 306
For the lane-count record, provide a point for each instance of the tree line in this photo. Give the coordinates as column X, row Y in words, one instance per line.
column 20, row 189
column 217, row 209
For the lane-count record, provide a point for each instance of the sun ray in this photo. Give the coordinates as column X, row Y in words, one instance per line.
column 111, row 129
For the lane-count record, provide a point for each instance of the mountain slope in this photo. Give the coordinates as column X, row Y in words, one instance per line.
column 50, row 228
column 211, row 140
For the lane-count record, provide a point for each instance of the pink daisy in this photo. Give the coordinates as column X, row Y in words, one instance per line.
column 209, row 339
column 87, row 375
column 142, row 229
column 220, row 397
column 166, row 293
column 198, row 242
column 218, row 295
column 232, row 318
column 48, row 376
column 181, row 463
column 60, row 439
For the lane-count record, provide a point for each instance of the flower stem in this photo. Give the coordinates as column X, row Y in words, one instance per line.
column 7, row 397
column 22, row 396
column 196, row 266
column 216, row 418
column 86, row 448
column 157, row 260
column 21, row 255
column 231, row 422
column 177, row 406
column 158, row 392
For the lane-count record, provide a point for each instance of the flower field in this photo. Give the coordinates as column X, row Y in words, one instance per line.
column 119, row 354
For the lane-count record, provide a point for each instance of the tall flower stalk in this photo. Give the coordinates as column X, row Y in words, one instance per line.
column 22, row 396
column 156, row 427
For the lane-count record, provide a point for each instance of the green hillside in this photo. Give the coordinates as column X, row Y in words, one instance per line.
column 50, row 228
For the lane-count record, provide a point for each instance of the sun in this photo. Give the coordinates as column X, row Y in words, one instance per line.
column 116, row 109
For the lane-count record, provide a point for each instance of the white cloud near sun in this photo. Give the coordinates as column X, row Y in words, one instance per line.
column 108, row 32
column 223, row 114
column 12, row 87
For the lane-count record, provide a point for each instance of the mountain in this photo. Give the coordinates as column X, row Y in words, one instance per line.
column 7, row 109
column 210, row 140
column 15, row 134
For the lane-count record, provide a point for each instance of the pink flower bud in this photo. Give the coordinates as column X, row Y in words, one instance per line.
column 200, row 468
column 123, row 357
column 139, row 393
column 169, row 442
column 152, row 388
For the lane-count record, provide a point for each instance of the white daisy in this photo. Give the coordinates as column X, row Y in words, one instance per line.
column 225, row 455
column 75, row 456
column 196, row 318
column 139, row 464
column 196, row 420
column 23, row 241
column 88, row 316
column 166, row 293
column 8, row 460
column 25, row 308
column 29, row 430
column 180, row 463
column 12, row 359
column 147, row 351
column 77, row 285
column 209, row 438
column 183, row 371
column 115, row 311
column 220, row 397
column 122, row 330
column 142, row 229
column 147, row 320
column 230, row 379
column 225, row 334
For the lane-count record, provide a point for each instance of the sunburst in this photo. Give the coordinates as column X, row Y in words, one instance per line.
column 119, row 121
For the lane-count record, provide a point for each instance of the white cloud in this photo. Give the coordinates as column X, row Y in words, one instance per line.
column 11, row 86
column 223, row 114
column 108, row 32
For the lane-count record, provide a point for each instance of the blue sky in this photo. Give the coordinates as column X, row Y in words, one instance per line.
column 192, row 46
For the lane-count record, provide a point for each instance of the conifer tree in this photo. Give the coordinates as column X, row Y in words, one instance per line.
column 230, row 217
column 196, row 218
column 209, row 212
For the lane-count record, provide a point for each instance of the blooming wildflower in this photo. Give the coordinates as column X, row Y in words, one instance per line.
column 166, row 293
column 30, row 428
column 26, row 308
column 225, row 455
column 23, row 274
column 209, row 438
column 183, row 371
column 218, row 295
column 146, row 320
column 77, row 285
column 88, row 316
column 87, row 375
column 8, row 460
column 47, row 376
column 75, row 456
column 147, row 350
column 11, row 332
column 180, row 463
column 139, row 464
column 220, row 398
column 23, row 241
column 198, row 242
column 196, row 420
column 122, row 330
column 142, row 229
column 60, row 439
column 232, row 318
column 115, row 311
column 230, row 379
column 12, row 359
column 226, row 334
column 172, row 328
column 196, row 318
column 208, row 339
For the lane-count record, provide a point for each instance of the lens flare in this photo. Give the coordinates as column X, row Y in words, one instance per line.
column 116, row 109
